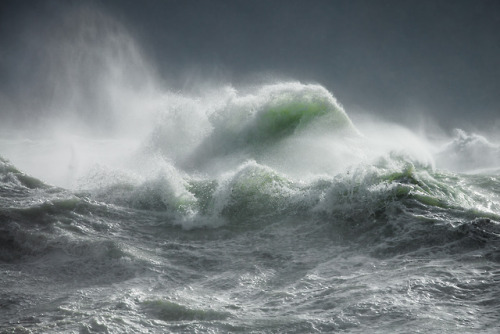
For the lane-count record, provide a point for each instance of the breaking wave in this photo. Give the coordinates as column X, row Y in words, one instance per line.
column 133, row 208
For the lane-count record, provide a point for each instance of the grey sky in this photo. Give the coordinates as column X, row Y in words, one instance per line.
column 389, row 58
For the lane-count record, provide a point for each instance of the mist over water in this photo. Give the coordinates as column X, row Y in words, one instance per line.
column 128, row 206
column 95, row 100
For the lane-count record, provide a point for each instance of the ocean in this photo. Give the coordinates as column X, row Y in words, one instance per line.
column 260, row 210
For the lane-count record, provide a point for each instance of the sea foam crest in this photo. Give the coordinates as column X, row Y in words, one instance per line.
column 262, row 125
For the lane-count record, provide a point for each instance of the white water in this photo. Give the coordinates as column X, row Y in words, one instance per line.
column 108, row 110
column 233, row 208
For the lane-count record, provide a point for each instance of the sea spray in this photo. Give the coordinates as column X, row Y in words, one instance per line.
column 134, row 208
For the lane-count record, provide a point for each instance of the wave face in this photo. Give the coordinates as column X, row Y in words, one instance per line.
column 265, row 125
column 275, row 215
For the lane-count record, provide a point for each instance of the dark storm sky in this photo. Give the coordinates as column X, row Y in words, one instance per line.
column 389, row 57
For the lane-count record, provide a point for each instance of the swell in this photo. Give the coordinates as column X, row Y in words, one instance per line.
column 390, row 207
column 277, row 154
column 58, row 231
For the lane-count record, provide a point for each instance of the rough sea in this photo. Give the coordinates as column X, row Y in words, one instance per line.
column 266, row 210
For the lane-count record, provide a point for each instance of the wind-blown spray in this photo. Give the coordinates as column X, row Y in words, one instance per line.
column 133, row 208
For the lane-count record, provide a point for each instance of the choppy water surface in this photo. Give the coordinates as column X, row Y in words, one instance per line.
column 263, row 212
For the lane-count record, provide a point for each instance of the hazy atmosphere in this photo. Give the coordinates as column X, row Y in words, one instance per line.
column 249, row 166
column 396, row 59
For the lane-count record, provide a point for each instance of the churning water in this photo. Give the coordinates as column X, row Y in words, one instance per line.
column 257, row 210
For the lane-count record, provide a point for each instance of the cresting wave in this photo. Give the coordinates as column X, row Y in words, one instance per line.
column 281, row 150
column 126, row 207
column 286, row 149
column 248, row 212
